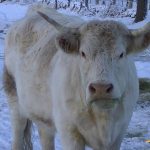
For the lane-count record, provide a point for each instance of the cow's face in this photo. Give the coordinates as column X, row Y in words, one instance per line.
column 101, row 49
column 103, row 62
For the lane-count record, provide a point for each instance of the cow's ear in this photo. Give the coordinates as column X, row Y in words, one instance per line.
column 68, row 38
column 69, row 41
column 139, row 39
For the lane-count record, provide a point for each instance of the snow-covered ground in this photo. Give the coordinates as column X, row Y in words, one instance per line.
column 10, row 12
column 139, row 128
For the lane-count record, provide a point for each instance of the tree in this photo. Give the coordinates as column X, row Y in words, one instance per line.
column 2, row 1
column 141, row 11
column 113, row 2
column 103, row 2
column 56, row 4
column 96, row 2
column 69, row 3
column 129, row 4
column 149, row 4
column 87, row 4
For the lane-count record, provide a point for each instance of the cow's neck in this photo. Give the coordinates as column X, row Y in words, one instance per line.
column 97, row 122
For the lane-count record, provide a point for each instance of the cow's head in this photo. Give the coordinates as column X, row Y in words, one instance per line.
column 102, row 48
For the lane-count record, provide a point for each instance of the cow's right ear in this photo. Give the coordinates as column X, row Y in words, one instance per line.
column 69, row 41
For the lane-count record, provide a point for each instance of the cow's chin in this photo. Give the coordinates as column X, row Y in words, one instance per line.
column 105, row 103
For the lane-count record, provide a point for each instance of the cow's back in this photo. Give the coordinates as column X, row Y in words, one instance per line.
column 33, row 31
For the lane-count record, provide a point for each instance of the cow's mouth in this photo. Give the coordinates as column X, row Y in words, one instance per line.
column 105, row 103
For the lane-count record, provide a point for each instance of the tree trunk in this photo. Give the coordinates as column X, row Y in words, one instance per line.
column 56, row 4
column 81, row 6
column 122, row 2
column 96, row 2
column 129, row 4
column 87, row 4
column 103, row 2
column 2, row 1
column 141, row 11
column 69, row 3
column 113, row 2
column 149, row 5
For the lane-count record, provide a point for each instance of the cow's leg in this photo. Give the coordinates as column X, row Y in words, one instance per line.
column 20, row 128
column 116, row 145
column 47, row 137
column 71, row 140
column 20, row 125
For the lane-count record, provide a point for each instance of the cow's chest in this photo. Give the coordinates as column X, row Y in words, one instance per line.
column 97, row 129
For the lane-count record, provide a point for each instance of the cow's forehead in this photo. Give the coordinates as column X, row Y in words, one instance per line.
column 105, row 27
column 104, row 35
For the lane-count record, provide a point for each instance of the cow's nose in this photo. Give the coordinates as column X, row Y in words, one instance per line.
column 95, row 88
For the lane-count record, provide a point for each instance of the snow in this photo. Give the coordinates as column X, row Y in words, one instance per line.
column 11, row 12
column 143, row 69
column 139, row 128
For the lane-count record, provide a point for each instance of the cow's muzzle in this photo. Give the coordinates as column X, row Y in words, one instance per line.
column 105, row 103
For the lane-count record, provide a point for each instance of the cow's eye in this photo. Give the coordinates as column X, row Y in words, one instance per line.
column 83, row 54
column 121, row 55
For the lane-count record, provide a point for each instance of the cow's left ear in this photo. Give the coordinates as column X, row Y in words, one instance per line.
column 69, row 41
column 139, row 39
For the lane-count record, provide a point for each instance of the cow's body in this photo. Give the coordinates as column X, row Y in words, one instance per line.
column 49, row 89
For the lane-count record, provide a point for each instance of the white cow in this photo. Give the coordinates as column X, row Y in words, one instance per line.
column 73, row 77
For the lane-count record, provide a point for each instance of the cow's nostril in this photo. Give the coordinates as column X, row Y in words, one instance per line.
column 92, row 89
column 109, row 88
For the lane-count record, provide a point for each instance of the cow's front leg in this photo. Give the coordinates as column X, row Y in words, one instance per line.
column 117, row 144
column 47, row 135
column 71, row 140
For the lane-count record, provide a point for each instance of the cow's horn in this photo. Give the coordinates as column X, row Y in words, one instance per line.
column 142, row 30
column 58, row 26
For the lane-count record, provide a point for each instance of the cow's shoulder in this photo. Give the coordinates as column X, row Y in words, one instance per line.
column 26, row 32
